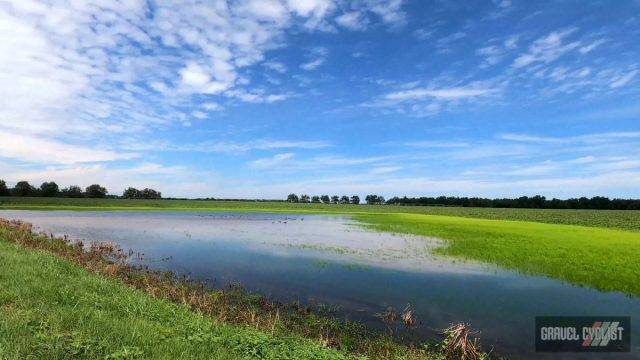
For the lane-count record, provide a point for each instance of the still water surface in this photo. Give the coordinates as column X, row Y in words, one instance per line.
column 331, row 260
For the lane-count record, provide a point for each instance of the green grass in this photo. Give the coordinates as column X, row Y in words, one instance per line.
column 51, row 308
column 628, row 220
column 606, row 259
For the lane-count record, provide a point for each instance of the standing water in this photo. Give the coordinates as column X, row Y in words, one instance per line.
column 331, row 260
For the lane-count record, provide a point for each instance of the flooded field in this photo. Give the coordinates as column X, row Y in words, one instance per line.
column 331, row 260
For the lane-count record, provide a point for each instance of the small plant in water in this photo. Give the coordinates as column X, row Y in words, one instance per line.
column 389, row 316
column 462, row 343
column 409, row 317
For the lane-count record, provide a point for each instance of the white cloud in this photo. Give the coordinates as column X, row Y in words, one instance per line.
column 547, row 49
column 276, row 66
column 380, row 170
column 533, row 170
column 353, row 20
column 38, row 150
column 199, row 115
column 196, row 78
column 590, row 138
column 318, row 56
column 312, row 65
column 76, row 69
column 226, row 146
column 623, row 79
column 588, row 48
column 271, row 162
column 445, row 93
column 257, row 97
column 389, row 10
column 211, row 106
column 437, row 144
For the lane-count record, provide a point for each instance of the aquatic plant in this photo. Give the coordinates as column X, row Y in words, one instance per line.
column 408, row 317
column 389, row 316
column 462, row 343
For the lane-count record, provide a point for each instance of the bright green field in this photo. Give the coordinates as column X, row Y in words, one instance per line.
column 605, row 259
column 628, row 220
column 53, row 309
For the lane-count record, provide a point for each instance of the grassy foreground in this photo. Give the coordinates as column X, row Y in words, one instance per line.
column 59, row 301
column 53, row 309
column 606, row 259
column 620, row 219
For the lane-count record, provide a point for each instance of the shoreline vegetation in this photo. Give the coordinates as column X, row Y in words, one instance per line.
column 86, row 302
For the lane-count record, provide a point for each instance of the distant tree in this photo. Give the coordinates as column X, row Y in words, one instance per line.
column 304, row 198
column 344, row 199
column 73, row 191
column 335, row 199
column 4, row 191
column 147, row 193
column 355, row 199
column 325, row 199
column 374, row 199
column 49, row 189
column 23, row 188
column 131, row 193
column 96, row 191
column 293, row 198
column 315, row 199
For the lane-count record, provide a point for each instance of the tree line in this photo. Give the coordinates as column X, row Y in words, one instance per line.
column 335, row 199
column 51, row 189
column 535, row 202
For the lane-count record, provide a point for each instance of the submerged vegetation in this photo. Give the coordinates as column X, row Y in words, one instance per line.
column 86, row 302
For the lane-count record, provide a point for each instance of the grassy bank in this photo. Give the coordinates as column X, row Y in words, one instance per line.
column 58, row 301
column 53, row 309
column 627, row 220
column 606, row 259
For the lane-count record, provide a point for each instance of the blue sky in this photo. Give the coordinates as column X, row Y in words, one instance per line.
column 263, row 98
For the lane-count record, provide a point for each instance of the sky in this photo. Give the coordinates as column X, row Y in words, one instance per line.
column 262, row 98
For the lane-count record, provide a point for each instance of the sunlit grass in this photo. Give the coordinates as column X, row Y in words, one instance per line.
column 605, row 259
column 52, row 309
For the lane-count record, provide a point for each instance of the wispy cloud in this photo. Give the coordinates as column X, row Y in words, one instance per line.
column 437, row 144
column 226, row 146
column 623, row 80
column 444, row 93
column 318, row 56
column 34, row 149
column 595, row 137
column 271, row 162
column 548, row 48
